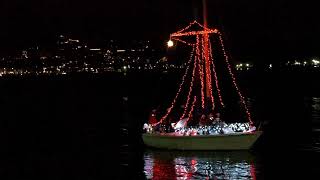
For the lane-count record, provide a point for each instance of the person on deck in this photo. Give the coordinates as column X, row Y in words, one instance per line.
column 153, row 120
column 210, row 118
column 219, row 123
column 217, row 119
column 167, row 124
column 203, row 120
column 152, row 117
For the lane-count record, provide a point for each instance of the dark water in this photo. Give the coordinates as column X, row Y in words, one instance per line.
column 54, row 127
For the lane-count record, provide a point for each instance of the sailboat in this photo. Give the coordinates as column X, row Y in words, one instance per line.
column 203, row 92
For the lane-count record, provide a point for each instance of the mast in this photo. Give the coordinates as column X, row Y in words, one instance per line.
column 205, row 36
column 201, row 58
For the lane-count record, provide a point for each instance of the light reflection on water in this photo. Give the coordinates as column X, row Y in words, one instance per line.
column 315, row 119
column 199, row 165
column 315, row 109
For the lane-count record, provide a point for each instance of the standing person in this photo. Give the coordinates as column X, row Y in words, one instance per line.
column 210, row 118
column 168, row 124
column 153, row 120
column 203, row 120
column 152, row 117
column 218, row 117
column 220, row 123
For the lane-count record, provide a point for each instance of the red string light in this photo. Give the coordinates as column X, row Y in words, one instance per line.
column 234, row 79
column 202, row 57
column 208, row 73
column 199, row 62
column 195, row 22
column 179, row 90
column 215, row 75
column 190, row 89
column 192, row 33
column 191, row 110
column 189, row 26
column 176, row 39
column 205, row 28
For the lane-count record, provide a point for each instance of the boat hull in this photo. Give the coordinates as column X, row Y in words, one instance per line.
column 237, row 141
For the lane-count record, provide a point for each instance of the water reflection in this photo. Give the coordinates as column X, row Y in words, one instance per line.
column 315, row 109
column 199, row 165
column 315, row 118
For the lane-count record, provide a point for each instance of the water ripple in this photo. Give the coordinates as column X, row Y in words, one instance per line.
column 198, row 165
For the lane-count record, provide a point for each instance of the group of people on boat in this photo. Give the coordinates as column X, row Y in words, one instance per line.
column 210, row 119
column 170, row 124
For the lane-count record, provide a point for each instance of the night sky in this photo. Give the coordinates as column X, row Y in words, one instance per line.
column 253, row 29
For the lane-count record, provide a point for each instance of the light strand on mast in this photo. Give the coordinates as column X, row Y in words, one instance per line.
column 180, row 87
column 192, row 23
column 205, row 28
column 190, row 90
column 196, row 22
column 215, row 75
column 199, row 62
column 234, row 80
column 208, row 74
column 192, row 109
column 190, row 44
column 192, row 33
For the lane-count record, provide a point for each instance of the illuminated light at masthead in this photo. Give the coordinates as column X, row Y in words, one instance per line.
column 170, row 43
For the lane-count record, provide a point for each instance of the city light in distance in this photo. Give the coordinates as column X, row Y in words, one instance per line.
column 315, row 61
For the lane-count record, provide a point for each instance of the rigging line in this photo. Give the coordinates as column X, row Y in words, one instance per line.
column 192, row 109
column 180, row 87
column 215, row 75
column 190, row 90
column 199, row 62
column 234, row 80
